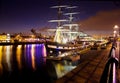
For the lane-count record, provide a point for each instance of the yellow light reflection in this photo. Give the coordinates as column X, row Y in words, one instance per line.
column 44, row 51
column 8, row 57
column 1, row 68
column 18, row 56
column 33, row 57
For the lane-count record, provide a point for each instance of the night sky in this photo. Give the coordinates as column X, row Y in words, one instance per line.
column 23, row 15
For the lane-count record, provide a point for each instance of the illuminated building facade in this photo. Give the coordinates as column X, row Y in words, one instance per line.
column 4, row 37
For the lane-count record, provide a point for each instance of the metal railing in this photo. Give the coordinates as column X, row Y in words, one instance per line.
column 109, row 73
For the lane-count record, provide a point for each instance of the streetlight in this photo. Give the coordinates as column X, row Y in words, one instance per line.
column 116, row 30
column 114, row 33
column 116, row 26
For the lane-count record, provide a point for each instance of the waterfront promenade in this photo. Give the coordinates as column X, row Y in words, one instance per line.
column 90, row 70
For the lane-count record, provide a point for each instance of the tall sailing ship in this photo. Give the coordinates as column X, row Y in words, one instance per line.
column 66, row 34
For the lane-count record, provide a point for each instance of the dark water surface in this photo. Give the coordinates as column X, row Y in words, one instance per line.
column 19, row 63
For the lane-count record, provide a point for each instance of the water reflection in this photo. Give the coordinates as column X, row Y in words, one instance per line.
column 1, row 68
column 28, row 62
column 33, row 56
column 59, row 69
column 5, row 56
column 8, row 57
column 18, row 56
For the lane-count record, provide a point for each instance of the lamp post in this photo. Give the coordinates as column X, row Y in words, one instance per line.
column 116, row 31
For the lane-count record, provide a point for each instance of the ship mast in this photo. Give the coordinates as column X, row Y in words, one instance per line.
column 71, row 13
column 59, row 15
column 59, row 36
column 70, row 24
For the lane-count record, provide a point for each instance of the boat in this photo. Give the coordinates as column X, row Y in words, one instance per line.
column 54, row 58
column 72, row 56
column 66, row 34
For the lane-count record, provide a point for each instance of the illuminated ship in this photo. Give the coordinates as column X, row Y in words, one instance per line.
column 66, row 34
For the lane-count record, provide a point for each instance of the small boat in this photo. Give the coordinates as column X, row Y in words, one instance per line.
column 72, row 57
column 56, row 58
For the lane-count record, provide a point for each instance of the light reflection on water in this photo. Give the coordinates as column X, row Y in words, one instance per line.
column 18, row 56
column 61, row 68
column 8, row 56
column 1, row 60
column 28, row 61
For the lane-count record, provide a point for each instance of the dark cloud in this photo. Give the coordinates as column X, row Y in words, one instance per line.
column 102, row 22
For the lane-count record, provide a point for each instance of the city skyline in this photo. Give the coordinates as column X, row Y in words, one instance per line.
column 23, row 15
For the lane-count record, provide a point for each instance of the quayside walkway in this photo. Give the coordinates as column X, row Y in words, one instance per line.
column 92, row 70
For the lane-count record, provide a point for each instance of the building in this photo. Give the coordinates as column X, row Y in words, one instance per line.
column 5, row 38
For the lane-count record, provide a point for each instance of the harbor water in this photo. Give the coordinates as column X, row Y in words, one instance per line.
column 28, row 63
